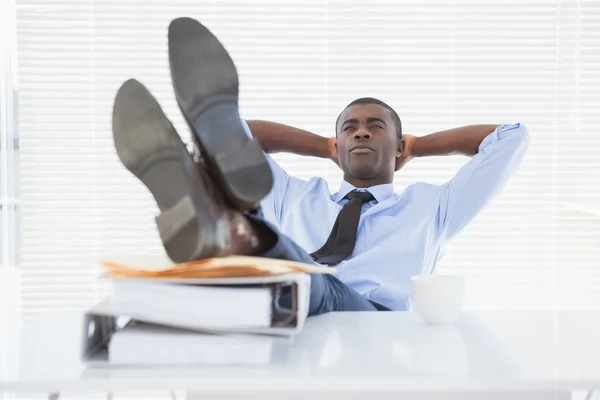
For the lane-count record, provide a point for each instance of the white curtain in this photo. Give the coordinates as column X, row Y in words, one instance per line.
column 441, row 64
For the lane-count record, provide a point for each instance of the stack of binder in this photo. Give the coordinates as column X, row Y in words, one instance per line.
column 220, row 311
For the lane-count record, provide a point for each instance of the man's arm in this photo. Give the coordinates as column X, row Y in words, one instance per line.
column 497, row 152
column 275, row 137
column 463, row 141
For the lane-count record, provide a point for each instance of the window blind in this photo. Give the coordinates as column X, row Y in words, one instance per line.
column 440, row 64
column 10, row 311
column 8, row 137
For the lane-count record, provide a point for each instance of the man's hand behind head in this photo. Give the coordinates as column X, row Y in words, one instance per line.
column 332, row 148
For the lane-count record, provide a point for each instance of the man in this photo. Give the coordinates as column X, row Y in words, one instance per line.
column 375, row 238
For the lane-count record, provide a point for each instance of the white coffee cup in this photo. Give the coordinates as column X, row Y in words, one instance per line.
column 438, row 298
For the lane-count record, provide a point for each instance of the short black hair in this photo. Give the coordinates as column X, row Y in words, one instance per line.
column 372, row 100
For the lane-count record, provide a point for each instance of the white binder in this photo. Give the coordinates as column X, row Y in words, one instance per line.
column 100, row 322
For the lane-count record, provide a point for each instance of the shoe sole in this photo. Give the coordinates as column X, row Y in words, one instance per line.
column 149, row 147
column 205, row 82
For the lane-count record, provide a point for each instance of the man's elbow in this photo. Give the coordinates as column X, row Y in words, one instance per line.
column 524, row 132
column 517, row 134
column 519, row 139
column 524, row 138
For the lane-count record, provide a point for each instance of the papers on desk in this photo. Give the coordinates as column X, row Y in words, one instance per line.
column 218, row 267
column 213, row 298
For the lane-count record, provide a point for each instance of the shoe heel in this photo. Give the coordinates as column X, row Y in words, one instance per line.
column 245, row 175
column 179, row 231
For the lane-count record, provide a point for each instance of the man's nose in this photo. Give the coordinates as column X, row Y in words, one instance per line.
column 362, row 134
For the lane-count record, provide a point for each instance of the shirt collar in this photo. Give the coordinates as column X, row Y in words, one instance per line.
column 380, row 192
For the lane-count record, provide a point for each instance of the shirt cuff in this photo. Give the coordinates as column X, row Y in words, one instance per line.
column 503, row 131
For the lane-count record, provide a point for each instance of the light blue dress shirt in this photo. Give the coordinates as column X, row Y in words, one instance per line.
column 399, row 235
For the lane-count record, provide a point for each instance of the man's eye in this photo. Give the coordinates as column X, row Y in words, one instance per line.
column 377, row 126
column 348, row 128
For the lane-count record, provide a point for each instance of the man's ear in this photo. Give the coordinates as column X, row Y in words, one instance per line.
column 400, row 149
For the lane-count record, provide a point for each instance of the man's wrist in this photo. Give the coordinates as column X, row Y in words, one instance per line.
column 413, row 146
column 425, row 146
column 328, row 149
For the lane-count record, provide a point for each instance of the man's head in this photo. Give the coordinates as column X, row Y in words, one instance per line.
column 369, row 139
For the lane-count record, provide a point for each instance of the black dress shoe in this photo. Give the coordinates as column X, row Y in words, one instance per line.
column 205, row 81
column 195, row 222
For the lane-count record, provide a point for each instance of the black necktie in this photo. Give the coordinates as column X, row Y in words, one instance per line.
column 340, row 243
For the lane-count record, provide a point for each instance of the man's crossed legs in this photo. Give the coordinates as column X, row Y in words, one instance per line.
column 209, row 208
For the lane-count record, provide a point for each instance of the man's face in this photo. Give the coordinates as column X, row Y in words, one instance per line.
column 367, row 143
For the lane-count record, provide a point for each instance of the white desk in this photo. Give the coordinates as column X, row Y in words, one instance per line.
column 351, row 355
